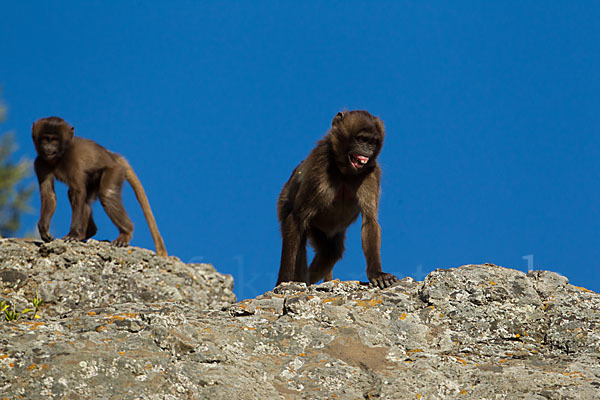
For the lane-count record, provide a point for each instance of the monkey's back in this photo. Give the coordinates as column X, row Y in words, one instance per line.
column 84, row 156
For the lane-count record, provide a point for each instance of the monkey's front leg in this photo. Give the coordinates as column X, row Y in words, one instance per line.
column 48, row 199
column 371, row 243
column 81, row 212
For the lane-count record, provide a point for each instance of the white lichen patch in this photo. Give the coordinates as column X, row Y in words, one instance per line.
column 88, row 370
column 292, row 368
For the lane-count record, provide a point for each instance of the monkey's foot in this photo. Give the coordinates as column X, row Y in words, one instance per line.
column 71, row 237
column 382, row 279
column 122, row 240
column 46, row 237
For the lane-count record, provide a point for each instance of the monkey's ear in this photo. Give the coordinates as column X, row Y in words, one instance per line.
column 338, row 118
column 380, row 126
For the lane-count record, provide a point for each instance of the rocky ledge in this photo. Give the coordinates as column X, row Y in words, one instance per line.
column 123, row 323
column 72, row 276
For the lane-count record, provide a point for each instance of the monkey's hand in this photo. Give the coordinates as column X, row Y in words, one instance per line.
column 46, row 236
column 382, row 279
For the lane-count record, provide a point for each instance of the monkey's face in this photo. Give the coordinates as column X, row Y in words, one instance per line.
column 51, row 137
column 49, row 147
column 363, row 147
column 357, row 137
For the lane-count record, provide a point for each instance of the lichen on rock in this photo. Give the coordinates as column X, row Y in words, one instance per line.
column 478, row 331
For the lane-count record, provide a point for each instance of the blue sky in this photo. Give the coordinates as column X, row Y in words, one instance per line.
column 491, row 111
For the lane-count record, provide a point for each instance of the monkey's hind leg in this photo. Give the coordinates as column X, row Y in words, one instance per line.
column 80, row 220
column 91, row 227
column 293, row 252
column 327, row 252
column 301, row 270
column 110, row 198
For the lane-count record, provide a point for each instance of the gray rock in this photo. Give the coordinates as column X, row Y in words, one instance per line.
column 474, row 332
column 72, row 276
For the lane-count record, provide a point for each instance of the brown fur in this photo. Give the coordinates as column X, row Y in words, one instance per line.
column 90, row 171
column 325, row 194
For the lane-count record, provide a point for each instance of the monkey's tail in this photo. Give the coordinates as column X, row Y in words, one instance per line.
column 143, row 200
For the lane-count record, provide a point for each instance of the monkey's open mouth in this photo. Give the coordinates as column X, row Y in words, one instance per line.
column 358, row 161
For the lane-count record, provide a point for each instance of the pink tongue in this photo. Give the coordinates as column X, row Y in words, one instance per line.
column 362, row 158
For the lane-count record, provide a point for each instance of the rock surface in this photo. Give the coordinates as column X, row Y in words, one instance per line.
column 75, row 276
column 474, row 332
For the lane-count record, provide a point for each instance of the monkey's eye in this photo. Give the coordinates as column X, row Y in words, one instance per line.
column 367, row 140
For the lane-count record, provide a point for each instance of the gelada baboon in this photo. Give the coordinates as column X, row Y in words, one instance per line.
column 337, row 181
column 90, row 171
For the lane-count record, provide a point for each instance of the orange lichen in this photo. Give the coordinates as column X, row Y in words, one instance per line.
column 331, row 299
column 575, row 374
column 368, row 303
column 120, row 317
column 460, row 360
column 583, row 289
column 34, row 325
